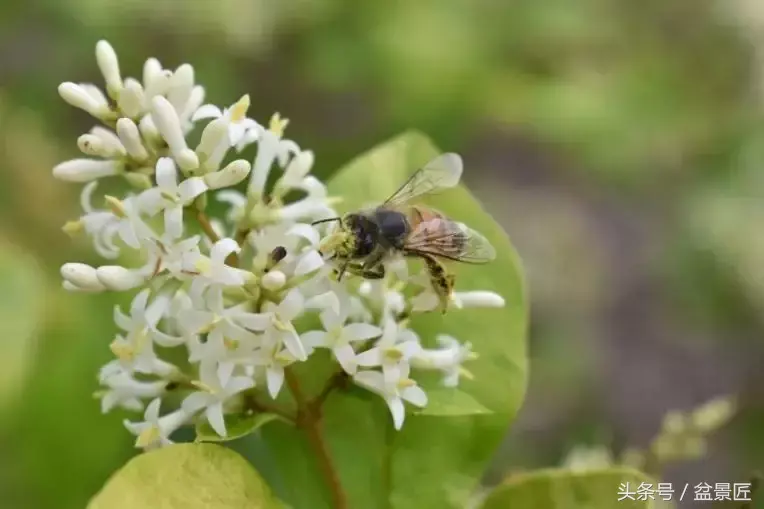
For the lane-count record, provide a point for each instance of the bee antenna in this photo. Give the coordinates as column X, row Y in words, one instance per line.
column 325, row 220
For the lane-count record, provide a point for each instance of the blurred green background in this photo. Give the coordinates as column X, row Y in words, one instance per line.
column 620, row 144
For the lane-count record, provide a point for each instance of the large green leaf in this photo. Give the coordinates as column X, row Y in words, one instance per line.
column 567, row 489
column 434, row 461
column 186, row 476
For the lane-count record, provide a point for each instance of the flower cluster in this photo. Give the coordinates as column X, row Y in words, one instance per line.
column 227, row 292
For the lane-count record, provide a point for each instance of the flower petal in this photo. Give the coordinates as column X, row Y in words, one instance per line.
column 305, row 231
column 397, row 410
column 253, row 321
column 167, row 175
column 275, row 378
column 292, row 305
column 214, row 415
column 309, row 262
column 152, row 410
column 206, row 111
column 222, row 249
column 345, row 355
column 314, row 339
column 371, row 380
column 225, row 370
column 195, row 402
column 294, row 345
column 191, row 188
column 361, row 331
column 414, row 395
column 369, row 358
column 173, row 221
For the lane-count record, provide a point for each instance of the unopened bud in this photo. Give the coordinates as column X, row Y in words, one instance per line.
column 132, row 99
column 81, row 275
column 273, row 280
column 85, row 170
column 131, row 139
column 234, row 173
column 109, row 65
column 78, row 97
column 118, row 278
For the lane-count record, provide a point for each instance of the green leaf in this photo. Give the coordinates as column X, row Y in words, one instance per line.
column 237, row 426
column 433, row 461
column 21, row 299
column 186, row 476
column 451, row 402
column 568, row 489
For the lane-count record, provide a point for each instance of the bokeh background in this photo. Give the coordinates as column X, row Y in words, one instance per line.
column 621, row 145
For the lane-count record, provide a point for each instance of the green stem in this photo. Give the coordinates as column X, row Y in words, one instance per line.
column 308, row 418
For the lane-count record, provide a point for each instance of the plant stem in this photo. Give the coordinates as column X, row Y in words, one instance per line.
column 335, row 381
column 204, row 222
column 309, row 419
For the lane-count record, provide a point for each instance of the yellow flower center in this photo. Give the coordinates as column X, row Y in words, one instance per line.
column 116, row 206
column 278, row 125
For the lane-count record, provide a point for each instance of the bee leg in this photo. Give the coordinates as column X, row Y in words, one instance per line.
column 373, row 272
column 442, row 282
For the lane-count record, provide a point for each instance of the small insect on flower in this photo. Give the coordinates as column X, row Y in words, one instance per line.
column 366, row 239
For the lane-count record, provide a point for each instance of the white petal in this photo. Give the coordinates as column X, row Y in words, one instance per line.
column 396, row 409
column 85, row 170
column 222, row 249
column 425, row 301
column 369, row 358
column 345, row 355
column 167, row 174
column 409, row 348
column 253, row 321
column 360, row 331
column 330, row 319
column 239, row 384
column 122, row 320
column 206, row 111
column 166, row 340
column 293, row 344
column 225, row 370
column 480, row 299
column 109, row 66
column 371, row 380
column 414, row 395
column 152, row 410
column 173, row 221
column 310, row 262
column 191, row 188
column 81, row 275
column 314, row 339
column 214, row 415
column 305, row 231
column 275, row 379
column 193, row 320
column 292, row 305
column 195, row 402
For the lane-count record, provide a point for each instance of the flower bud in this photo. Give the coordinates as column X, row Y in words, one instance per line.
column 180, row 86
column 78, row 97
column 85, row 170
column 235, row 172
column 214, row 134
column 131, row 99
column 480, row 299
column 167, row 122
column 109, row 65
column 118, row 278
column 81, row 276
column 139, row 180
column 273, row 280
column 131, row 139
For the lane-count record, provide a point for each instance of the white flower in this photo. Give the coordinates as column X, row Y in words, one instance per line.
column 100, row 225
column 155, row 431
column 270, row 148
column 171, row 196
column 213, row 270
column 235, row 118
column 132, row 98
column 81, row 276
column 135, row 350
column 394, row 392
column 131, row 139
column 338, row 337
column 281, row 328
column 101, row 142
column 297, row 170
column 232, row 174
column 120, row 279
column 125, row 391
column 273, row 358
column 448, row 359
column 130, row 227
column 392, row 351
column 172, row 255
column 236, row 202
column 213, row 395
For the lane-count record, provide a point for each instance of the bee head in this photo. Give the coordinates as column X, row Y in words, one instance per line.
column 355, row 237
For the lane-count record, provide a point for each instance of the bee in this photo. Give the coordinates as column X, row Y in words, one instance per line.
column 364, row 240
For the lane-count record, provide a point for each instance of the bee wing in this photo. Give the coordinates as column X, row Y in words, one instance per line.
column 441, row 173
column 448, row 239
